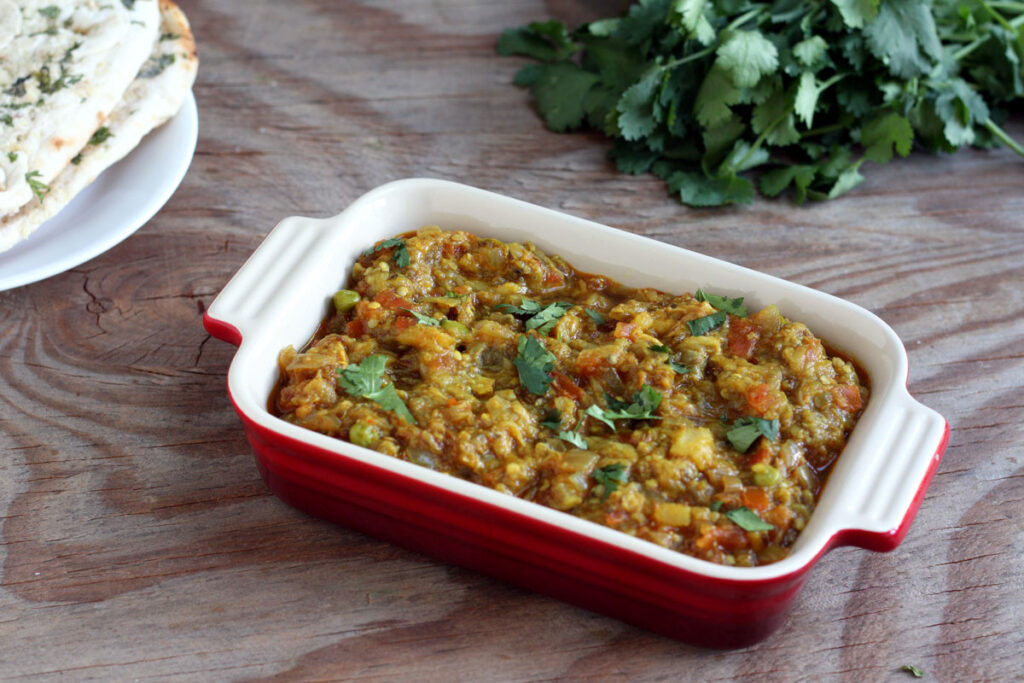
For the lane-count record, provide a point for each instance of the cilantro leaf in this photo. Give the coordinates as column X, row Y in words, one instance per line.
column 746, row 430
column 636, row 108
column 595, row 316
column 748, row 520
column 366, row 381
column 885, row 133
column 914, row 671
column 400, row 255
column 534, row 363
column 552, row 420
column 38, row 187
column 541, row 318
column 903, row 36
column 701, row 326
column 575, row 438
column 641, row 407
column 547, row 41
column 722, row 303
column 747, row 56
column 857, row 13
column 680, row 369
column 560, row 90
column 423, row 319
column 716, row 96
column 611, row 477
column 810, row 51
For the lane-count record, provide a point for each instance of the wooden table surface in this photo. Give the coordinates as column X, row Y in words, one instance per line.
column 137, row 540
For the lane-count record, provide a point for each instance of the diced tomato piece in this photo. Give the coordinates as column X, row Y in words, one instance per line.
column 565, row 386
column 389, row 299
column 624, row 330
column 743, row 336
column 553, row 278
column 780, row 516
column 759, row 398
column 763, row 453
column 756, row 498
column 729, row 537
column 616, row 517
column 355, row 328
column 590, row 363
column 848, row 398
column 404, row 322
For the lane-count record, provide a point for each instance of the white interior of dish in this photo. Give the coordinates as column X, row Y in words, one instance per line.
column 281, row 294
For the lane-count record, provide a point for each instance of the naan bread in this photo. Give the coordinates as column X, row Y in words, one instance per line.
column 64, row 67
column 154, row 97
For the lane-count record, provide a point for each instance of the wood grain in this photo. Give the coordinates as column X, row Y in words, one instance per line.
column 138, row 542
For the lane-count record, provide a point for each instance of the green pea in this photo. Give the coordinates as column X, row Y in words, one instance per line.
column 455, row 327
column 765, row 475
column 344, row 299
column 364, row 434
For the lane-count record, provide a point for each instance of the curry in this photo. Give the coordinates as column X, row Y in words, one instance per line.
column 682, row 419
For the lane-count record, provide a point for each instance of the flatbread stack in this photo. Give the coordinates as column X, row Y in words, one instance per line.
column 81, row 83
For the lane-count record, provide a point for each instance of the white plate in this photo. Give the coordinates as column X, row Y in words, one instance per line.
column 115, row 205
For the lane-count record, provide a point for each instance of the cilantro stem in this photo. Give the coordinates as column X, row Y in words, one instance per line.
column 997, row 16
column 761, row 138
column 969, row 48
column 1004, row 137
column 744, row 18
column 689, row 58
column 824, row 130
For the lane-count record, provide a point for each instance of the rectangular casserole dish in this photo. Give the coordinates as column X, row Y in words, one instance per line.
column 280, row 295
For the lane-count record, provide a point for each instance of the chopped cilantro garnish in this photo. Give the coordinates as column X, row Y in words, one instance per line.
column 732, row 306
column 610, row 476
column 101, row 135
column 681, row 369
column 534, row 363
column 12, row 156
column 423, row 319
column 748, row 520
column 51, row 12
column 155, row 67
column 39, row 188
column 541, row 318
column 642, row 407
column 575, row 438
column 77, row 159
column 366, row 380
column 595, row 316
column 400, row 255
column 701, row 326
column 659, row 348
column 746, row 430
column 7, row 120
column 552, row 420
column 716, row 505
column 914, row 671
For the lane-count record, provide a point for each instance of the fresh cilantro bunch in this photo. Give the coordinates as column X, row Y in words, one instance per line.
column 700, row 92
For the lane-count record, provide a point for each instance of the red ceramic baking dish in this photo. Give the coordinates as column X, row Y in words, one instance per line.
column 280, row 295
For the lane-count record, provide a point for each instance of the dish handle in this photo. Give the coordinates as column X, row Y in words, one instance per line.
column 256, row 296
column 891, row 488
